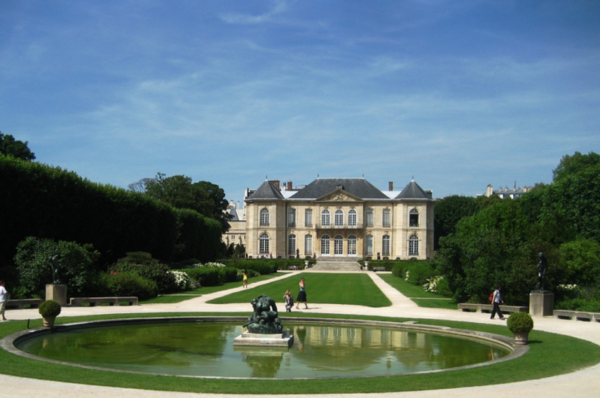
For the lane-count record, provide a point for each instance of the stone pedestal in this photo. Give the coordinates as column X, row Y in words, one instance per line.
column 264, row 340
column 541, row 303
column 57, row 293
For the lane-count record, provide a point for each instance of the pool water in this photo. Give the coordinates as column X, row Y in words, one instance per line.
column 206, row 349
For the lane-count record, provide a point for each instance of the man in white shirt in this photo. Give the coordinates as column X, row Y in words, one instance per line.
column 3, row 298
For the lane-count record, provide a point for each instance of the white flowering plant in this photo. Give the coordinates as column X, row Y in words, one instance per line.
column 183, row 281
column 432, row 284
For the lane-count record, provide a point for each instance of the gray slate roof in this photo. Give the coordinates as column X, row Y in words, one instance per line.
column 267, row 191
column 414, row 191
column 356, row 186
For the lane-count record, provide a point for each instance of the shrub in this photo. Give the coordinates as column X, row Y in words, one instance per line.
column 159, row 273
column 49, row 308
column 228, row 274
column 75, row 264
column 205, row 276
column 189, row 263
column 183, row 281
column 128, row 284
column 520, row 322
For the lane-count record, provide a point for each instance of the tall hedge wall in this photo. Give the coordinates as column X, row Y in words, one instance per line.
column 48, row 202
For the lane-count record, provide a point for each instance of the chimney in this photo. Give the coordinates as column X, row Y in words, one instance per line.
column 275, row 183
column 289, row 185
column 391, row 186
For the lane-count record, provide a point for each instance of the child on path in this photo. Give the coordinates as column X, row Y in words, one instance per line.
column 245, row 280
column 289, row 301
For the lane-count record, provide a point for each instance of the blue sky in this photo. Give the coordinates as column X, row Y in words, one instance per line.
column 458, row 94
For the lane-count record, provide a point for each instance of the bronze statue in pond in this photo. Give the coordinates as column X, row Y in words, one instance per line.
column 265, row 319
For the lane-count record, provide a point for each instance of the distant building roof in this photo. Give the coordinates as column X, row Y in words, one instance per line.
column 355, row 186
column 268, row 191
column 414, row 191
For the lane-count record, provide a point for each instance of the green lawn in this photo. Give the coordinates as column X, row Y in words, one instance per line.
column 549, row 355
column 418, row 294
column 201, row 291
column 356, row 289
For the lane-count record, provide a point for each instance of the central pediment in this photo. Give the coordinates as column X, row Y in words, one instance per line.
column 339, row 195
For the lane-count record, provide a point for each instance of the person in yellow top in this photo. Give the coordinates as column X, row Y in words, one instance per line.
column 245, row 280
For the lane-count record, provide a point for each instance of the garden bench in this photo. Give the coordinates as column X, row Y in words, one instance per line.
column 92, row 301
column 487, row 308
column 375, row 269
column 577, row 315
column 23, row 303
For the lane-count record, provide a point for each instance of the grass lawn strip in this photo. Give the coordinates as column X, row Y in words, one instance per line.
column 549, row 355
column 418, row 294
column 202, row 291
column 322, row 288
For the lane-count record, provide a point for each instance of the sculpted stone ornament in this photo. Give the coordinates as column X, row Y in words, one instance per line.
column 265, row 319
column 54, row 264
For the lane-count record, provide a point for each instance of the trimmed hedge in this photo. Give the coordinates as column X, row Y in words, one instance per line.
column 266, row 266
column 212, row 276
column 154, row 271
column 127, row 284
column 48, row 202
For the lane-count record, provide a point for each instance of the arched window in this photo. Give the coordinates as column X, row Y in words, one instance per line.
column 386, row 218
column 292, row 244
column 325, row 245
column 264, row 244
column 308, row 250
column 352, row 245
column 413, row 219
column 338, row 245
column 369, row 217
column 264, row 217
column 339, row 218
column 325, row 218
column 413, row 246
column 369, row 245
column 385, row 247
column 352, row 218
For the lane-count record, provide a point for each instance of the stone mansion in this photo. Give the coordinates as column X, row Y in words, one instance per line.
column 334, row 217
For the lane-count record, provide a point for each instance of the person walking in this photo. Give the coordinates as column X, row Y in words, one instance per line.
column 245, row 280
column 302, row 295
column 3, row 299
column 496, row 300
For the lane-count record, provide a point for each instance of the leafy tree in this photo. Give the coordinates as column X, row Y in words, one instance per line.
column 448, row 213
column 140, row 186
column 76, row 267
column 570, row 165
column 178, row 191
column 580, row 262
column 17, row 149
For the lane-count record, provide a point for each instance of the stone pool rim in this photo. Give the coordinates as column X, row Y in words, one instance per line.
column 8, row 342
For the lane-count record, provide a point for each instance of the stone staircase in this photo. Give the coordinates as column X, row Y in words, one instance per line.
column 336, row 264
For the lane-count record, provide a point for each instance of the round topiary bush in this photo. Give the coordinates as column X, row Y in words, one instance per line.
column 520, row 322
column 49, row 308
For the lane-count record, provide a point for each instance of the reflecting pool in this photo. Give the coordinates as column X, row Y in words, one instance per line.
column 206, row 349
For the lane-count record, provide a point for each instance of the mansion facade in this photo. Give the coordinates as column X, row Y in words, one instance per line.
column 338, row 217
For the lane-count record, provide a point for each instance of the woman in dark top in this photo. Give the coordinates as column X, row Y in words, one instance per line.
column 302, row 295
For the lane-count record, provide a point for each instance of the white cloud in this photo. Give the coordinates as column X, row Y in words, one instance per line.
column 279, row 6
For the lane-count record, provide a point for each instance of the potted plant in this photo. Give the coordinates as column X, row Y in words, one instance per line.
column 49, row 310
column 520, row 324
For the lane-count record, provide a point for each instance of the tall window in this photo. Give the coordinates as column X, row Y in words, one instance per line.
column 291, row 217
column 308, row 245
column 308, row 218
column 352, row 218
column 264, row 244
column 325, row 218
column 414, row 218
column 413, row 246
column 338, row 245
column 385, row 247
column 292, row 245
column 325, row 245
column 339, row 218
column 369, row 245
column 264, row 217
column 352, row 245
column 386, row 217
column 369, row 217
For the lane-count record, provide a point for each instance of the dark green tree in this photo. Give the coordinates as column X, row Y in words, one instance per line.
column 573, row 164
column 17, row 149
column 448, row 212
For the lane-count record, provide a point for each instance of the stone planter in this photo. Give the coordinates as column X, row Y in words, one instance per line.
column 521, row 338
column 49, row 321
